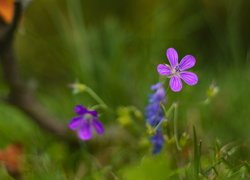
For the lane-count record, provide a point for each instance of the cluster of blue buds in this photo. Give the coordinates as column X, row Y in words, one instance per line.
column 155, row 114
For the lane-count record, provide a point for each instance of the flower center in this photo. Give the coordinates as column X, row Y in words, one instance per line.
column 176, row 70
column 87, row 117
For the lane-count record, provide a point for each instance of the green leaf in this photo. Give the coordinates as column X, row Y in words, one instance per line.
column 151, row 167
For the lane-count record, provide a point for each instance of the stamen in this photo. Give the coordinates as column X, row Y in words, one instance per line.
column 177, row 69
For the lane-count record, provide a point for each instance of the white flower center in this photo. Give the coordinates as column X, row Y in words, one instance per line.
column 87, row 117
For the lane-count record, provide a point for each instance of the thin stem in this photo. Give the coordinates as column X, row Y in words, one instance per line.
column 175, row 126
column 165, row 119
column 96, row 97
column 158, row 125
column 196, row 156
column 213, row 166
column 98, row 106
column 174, row 107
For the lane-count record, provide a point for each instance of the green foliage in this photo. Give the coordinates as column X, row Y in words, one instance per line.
column 114, row 48
column 150, row 167
column 4, row 174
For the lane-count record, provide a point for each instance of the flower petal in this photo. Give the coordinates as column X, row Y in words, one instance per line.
column 157, row 141
column 187, row 62
column 156, row 86
column 75, row 122
column 175, row 84
column 84, row 132
column 172, row 57
column 189, row 77
column 164, row 69
column 158, row 96
column 93, row 113
column 98, row 126
column 79, row 109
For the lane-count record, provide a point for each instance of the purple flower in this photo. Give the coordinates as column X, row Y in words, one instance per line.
column 154, row 112
column 154, row 115
column 177, row 71
column 85, row 122
column 157, row 141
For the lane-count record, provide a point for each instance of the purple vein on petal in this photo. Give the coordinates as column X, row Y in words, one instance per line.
column 189, row 77
column 172, row 56
column 175, row 84
column 164, row 69
column 187, row 62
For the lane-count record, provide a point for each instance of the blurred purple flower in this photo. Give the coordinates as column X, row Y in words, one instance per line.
column 157, row 141
column 176, row 71
column 154, row 112
column 85, row 122
column 154, row 115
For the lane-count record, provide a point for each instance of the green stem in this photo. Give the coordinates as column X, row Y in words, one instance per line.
column 197, row 155
column 174, row 107
column 96, row 97
column 167, row 113
column 213, row 166
column 176, row 127
column 158, row 125
column 98, row 106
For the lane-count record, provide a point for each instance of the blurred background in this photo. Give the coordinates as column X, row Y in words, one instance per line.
column 114, row 48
